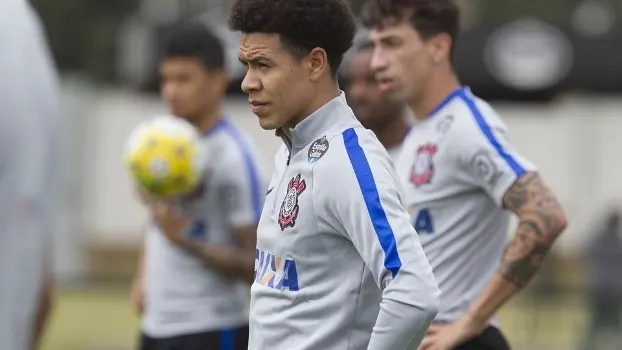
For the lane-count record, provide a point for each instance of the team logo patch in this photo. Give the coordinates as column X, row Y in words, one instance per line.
column 484, row 167
column 318, row 149
column 423, row 169
column 290, row 208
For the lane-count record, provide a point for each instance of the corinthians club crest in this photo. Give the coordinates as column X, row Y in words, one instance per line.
column 290, row 208
column 423, row 169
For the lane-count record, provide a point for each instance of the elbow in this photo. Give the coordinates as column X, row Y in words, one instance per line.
column 429, row 301
column 434, row 302
column 558, row 221
column 561, row 221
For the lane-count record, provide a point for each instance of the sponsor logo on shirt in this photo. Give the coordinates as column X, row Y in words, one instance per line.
column 318, row 149
column 275, row 272
column 422, row 170
column 289, row 207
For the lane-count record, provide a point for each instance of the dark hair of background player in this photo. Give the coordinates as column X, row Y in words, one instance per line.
column 428, row 17
column 194, row 39
column 302, row 25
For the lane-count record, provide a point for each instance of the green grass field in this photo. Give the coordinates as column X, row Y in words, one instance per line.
column 102, row 319
column 91, row 319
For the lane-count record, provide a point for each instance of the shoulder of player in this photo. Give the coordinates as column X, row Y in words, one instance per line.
column 234, row 144
column 353, row 147
column 473, row 119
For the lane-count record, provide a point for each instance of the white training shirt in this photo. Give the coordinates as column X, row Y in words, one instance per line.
column 456, row 166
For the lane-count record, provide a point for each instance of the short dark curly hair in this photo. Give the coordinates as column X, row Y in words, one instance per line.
column 428, row 17
column 193, row 39
column 301, row 24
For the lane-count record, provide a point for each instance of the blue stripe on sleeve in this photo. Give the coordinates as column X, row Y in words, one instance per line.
column 487, row 131
column 227, row 338
column 251, row 168
column 367, row 184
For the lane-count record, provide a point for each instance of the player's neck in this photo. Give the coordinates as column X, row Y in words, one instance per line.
column 323, row 96
column 208, row 121
column 436, row 91
column 392, row 133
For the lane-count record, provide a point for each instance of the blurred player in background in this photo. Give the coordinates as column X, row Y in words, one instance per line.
column 338, row 264
column 29, row 98
column 461, row 176
column 193, row 282
column 388, row 119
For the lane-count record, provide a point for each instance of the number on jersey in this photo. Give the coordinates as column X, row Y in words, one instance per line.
column 423, row 222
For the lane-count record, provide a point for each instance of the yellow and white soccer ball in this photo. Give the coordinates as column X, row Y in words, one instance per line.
column 165, row 157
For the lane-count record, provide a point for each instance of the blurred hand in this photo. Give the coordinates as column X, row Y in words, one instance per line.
column 171, row 222
column 144, row 196
column 138, row 295
column 449, row 336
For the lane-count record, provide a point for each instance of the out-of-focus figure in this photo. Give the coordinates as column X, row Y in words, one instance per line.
column 604, row 281
column 389, row 120
column 28, row 115
column 199, row 252
column 462, row 176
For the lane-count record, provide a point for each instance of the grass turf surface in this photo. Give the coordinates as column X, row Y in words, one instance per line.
column 102, row 318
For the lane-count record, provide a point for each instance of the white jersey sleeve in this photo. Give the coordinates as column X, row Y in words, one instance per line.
column 486, row 157
column 368, row 211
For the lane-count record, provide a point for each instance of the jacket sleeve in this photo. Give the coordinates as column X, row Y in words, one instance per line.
column 361, row 195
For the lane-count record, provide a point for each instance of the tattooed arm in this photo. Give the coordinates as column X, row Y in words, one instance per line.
column 541, row 220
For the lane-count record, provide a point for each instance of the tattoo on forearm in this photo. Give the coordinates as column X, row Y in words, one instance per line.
column 541, row 221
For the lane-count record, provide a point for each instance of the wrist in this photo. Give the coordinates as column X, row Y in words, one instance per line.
column 476, row 321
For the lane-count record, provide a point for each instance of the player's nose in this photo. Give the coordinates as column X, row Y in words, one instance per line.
column 250, row 83
column 378, row 61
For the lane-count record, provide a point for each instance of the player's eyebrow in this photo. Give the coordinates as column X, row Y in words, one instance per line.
column 258, row 59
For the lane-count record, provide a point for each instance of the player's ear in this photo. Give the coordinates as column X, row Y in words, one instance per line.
column 440, row 47
column 221, row 80
column 318, row 64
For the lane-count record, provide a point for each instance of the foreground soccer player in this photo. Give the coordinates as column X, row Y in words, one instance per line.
column 29, row 121
column 388, row 119
column 192, row 282
column 338, row 265
column 461, row 176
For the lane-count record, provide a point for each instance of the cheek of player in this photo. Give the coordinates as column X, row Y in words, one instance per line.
column 415, row 65
column 188, row 88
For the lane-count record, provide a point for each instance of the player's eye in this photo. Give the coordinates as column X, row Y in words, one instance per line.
column 260, row 65
column 391, row 42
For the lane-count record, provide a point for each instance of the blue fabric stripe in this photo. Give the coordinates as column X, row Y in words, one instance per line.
column 487, row 131
column 227, row 339
column 251, row 168
column 378, row 216
column 457, row 92
column 220, row 124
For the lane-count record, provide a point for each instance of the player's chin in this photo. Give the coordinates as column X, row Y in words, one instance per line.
column 396, row 95
column 268, row 122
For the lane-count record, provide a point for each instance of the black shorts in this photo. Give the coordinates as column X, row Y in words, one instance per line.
column 490, row 339
column 230, row 339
